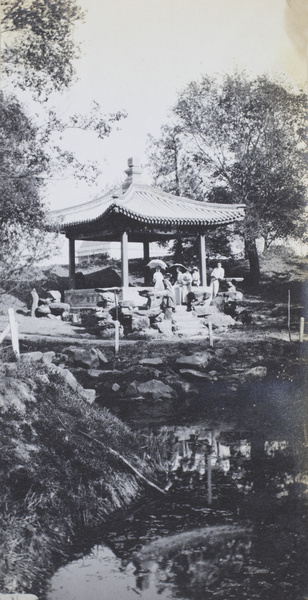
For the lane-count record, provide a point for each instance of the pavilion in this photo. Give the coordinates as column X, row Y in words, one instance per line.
column 137, row 212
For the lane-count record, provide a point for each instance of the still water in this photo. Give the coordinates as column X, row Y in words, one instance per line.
column 232, row 525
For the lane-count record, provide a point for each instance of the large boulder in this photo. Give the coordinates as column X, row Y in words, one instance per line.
column 155, row 388
column 140, row 323
column 197, row 360
column 84, row 357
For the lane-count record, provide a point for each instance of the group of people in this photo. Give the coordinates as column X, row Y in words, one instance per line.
column 185, row 280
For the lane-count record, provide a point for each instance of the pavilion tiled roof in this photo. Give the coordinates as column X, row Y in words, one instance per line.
column 149, row 205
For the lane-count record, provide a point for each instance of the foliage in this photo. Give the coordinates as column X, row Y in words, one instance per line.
column 245, row 142
column 20, row 248
column 22, row 162
column 38, row 44
column 55, row 480
column 38, row 53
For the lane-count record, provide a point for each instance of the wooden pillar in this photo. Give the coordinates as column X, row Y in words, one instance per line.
column 146, row 260
column 71, row 264
column 202, row 259
column 124, row 259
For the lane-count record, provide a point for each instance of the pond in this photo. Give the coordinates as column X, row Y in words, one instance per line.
column 232, row 524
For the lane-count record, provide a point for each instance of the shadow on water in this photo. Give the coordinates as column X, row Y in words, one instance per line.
column 233, row 524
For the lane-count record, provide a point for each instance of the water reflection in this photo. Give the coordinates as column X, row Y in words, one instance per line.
column 232, row 527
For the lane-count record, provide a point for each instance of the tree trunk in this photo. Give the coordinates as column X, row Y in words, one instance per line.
column 254, row 264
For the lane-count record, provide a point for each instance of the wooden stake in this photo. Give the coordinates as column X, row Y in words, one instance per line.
column 211, row 334
column 117, row 325
column 301, row 329
column 14, row 332
column 289, row 315
column 209, row 479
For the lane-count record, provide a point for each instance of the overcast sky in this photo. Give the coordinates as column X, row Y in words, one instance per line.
column 138, row 54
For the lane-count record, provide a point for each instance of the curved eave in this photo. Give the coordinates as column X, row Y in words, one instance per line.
column 134, row 216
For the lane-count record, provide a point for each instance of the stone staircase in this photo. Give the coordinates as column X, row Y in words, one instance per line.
column 188, row 324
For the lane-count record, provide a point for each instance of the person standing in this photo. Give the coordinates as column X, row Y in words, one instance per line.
column 178, row 286
column 168, row 303
column 186, row 280
column 216, row 276
column 195, row 277
column 158, row 279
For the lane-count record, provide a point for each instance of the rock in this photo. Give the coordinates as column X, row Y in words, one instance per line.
column 148, row 334
column 142, row 371
column 18, row 596
column 89, row 395
column 221, row 320
column 95, row 373
column 115, row 387
column 151, row 361
column 156, row 388
column 42, row 311
column 132, row 389
column 234, row 296
column 219, row 302
column 58, row 308
column 194, row 360
column 83, row 357
column 48, row 357
column 67, row 376
column 192, row 373
column 140, row 323
column 204, row 310
column 185, row 386
column 32, row 356
column 165, row 327
column 55, row 295
column 255, row 373
column 101, row 357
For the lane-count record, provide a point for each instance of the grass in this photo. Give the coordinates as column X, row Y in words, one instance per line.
column 55, row 480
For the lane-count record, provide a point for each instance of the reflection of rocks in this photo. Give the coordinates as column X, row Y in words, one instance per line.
column 254, row 373
column 206, row 538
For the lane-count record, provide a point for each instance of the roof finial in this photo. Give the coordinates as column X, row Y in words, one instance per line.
column 134, row 173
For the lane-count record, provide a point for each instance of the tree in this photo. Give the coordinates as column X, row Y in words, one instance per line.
column 39, row 55
column 174, row 170
column 247, row 140
column 38, row 45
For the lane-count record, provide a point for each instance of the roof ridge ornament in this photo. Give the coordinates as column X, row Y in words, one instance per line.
column 134, row 173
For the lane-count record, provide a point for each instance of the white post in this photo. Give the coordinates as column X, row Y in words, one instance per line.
column 117, row 325
column 14, row 332
column 209, row 479
column 124, row 259
column 301, row 329
column 210, row 333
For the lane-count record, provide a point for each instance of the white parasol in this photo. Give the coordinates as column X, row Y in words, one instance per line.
column 156, row 262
